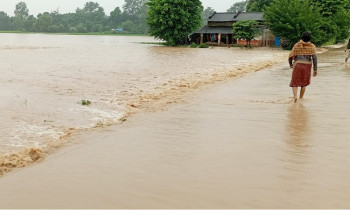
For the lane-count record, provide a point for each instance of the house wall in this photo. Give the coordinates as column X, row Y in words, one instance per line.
column 255, row 43
column 220, row 24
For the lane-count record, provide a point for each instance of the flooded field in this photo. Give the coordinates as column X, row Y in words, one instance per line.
column 45, row 78
column 239, row 144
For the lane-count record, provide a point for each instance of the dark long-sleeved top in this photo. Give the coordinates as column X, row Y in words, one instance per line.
column 311, row 58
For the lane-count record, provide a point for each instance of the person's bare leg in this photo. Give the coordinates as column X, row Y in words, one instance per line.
column 295, row 93
column 302, row 91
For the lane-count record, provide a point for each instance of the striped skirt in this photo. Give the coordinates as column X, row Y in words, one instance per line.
column 301, row 74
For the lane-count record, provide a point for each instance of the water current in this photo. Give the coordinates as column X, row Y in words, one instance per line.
column 241, row 143
column 44, row 79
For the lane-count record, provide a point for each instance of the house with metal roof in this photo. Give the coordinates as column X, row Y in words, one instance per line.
column 219, row 28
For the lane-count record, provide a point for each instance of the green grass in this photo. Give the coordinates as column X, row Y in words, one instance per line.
column 14, row 32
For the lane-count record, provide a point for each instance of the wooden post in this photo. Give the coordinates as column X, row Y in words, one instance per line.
column 219, row 39
column 201, row 39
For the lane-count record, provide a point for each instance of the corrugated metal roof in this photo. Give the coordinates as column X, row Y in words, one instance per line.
column 249, row 16
column 233, row 16
column 228, row 17
column 214, row 30
column 223, row 17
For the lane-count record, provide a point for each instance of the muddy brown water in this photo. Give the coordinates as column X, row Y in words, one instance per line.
column 237, row 144
column 45, row 78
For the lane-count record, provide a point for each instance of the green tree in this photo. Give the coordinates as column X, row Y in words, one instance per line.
column 288, row 19
column 336, row 18
column 21, row 15
column 92, row 14
column 239, row 6
column 174, row 20
column 329, row 7
column 115, row 17
column 137, row 12
column 129, row 26
column 142, row 19
column 5, row 21
column 245, row 29
column 342, row 20
column 29, row 24
column 257, row 5
column 133, row 7
column 43, row 22
column 206, row 14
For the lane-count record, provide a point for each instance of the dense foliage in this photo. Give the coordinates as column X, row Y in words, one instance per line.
column 174, row 20
column 245, row 29
column 257, row 5
column 239, row 6
column 250, row 6
column 328, row 22
column 206, row 14
column 90, row 18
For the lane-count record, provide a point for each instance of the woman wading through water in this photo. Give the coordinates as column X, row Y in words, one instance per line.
column 304, row 55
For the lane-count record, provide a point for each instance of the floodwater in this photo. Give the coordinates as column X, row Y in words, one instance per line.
column 45, row 78
column 238, row 144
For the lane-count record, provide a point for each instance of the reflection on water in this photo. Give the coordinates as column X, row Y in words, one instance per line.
column 297, row 126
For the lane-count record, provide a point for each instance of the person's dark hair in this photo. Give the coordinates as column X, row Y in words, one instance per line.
column 348, row 44
column 306, row 36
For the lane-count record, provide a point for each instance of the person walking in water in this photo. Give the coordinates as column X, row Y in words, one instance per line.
column 347, row 50
column 304, row 56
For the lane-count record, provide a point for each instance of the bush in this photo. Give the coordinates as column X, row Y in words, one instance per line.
column 203, row 45
column 85, row 102
column 285, row 45
column 194, row 45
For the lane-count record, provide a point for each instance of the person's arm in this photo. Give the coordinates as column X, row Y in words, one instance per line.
column 290, row 62
column 314, row 60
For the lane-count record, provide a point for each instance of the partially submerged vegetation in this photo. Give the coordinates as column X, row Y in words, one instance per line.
column 85, row 102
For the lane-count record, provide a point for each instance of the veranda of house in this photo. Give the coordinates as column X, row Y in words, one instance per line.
column 219, row 30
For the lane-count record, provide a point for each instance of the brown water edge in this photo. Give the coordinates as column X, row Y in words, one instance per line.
column 153, row 100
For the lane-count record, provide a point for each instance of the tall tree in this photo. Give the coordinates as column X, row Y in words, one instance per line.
column 329, row 7
column 288, row 19
column 43, row 22
column 174, row 20
column 29, row 24
column 5, row 21
column 21, row 15
column 206, row 14
column 115, row 17
column 336, row 18
column 239, row 6
column 133, row 7
column 142, row 19
column 91, row 17
column 136, row 12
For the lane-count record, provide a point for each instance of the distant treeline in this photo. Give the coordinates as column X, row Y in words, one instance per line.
column 90, row 18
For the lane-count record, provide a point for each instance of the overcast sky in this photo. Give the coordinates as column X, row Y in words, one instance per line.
column 65, row 6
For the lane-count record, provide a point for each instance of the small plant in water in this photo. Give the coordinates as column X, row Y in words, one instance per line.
column 85, row 102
